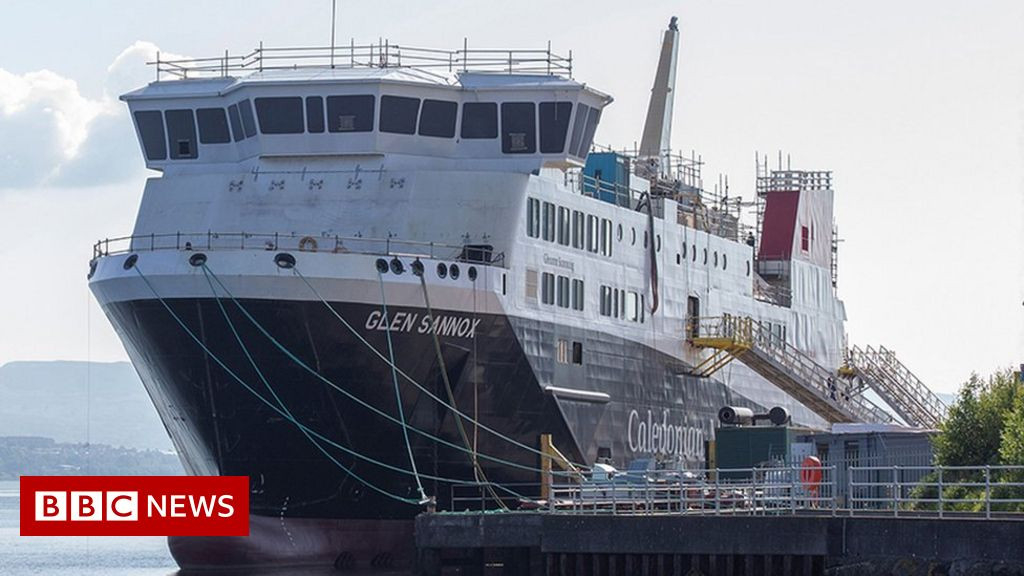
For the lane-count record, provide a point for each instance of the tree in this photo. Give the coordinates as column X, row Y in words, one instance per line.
column 973, row 431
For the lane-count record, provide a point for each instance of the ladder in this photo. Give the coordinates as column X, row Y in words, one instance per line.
column 898, row 386
column 745, row 339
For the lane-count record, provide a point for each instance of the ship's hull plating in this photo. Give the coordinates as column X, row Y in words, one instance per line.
column 220, row 411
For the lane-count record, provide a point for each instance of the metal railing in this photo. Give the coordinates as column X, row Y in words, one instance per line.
column 897, row 385
column 913, row 491
column 988, row 491
column 383, row 54
column 750, row 340
column 216, row 241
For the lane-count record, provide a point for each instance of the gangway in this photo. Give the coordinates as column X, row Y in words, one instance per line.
column 895, row 383
column 822, row 390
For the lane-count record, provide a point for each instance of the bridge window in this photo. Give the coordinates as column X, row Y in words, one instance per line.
column 213, row 126
column 280, row 115
column 577, row 128
column 588, row 133
column 151, row 129
column 350, row 113
column 518, row 128
column 248, row 121
column 479, row 120
column 398, row 114
column 236, row 123
column 438, row 118
column 554, row 123
column 314, row 114
column 181, row 134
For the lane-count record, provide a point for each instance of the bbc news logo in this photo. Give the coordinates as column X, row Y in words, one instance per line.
column 134, row 506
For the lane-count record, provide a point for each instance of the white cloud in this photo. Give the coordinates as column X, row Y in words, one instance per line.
column 53, row 135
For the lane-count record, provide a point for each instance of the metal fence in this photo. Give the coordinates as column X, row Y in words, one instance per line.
column 982, row 492
column 214, row 241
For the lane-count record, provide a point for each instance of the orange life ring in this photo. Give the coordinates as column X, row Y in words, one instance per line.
column 307, row 244
column 810, row 474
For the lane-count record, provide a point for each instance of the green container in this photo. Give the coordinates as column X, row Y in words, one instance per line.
column 752, row 447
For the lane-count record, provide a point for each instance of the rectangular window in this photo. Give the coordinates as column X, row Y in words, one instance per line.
column 547, row 288
column 151, row 129
column 562, row 351
column 577, row 353
column 805, row 239
column 593, row 233
column 564, row 225
column 606, row 301
column 588, row 134
column 314, row 114
column 577, row 129
column 549, row 222
column 437, row 118
column 554, row 123
column 236, row 123
column 398, row 114
column 617, row 308
column 533, row 218
column 181, row 134
column 213, row 126
column 350, row 113
column 248, row 121
column 632, row 307
column 577, row 295
column 518, row 128
column 280, row 115
column 606, row 237
column 578, row 229
column 479, row 120
column 531, row 284
column 563, row 292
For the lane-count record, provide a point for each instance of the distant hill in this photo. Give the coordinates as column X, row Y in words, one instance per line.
column 49, row 399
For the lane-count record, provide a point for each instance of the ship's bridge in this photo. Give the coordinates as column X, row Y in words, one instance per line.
column 502, row 110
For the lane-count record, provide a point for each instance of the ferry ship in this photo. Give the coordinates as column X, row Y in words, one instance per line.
column 367, row 276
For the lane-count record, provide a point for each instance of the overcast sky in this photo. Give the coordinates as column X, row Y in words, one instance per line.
column 915, row 106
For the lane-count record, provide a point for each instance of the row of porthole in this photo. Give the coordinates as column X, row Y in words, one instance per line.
column 693, row 251
column 286, row 260
column 396, row 266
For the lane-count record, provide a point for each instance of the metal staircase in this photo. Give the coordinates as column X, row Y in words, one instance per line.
column 899, row 387
column 820, row 389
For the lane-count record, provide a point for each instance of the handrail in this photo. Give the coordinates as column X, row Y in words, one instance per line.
column 983, row 492
column 214, row 241
column 383, row 54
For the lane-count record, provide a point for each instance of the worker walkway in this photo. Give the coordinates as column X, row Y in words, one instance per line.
column 881, row 371
column 767, row 354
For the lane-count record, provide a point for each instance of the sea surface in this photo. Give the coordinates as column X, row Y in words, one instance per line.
column 87, row 556
column 95, row 555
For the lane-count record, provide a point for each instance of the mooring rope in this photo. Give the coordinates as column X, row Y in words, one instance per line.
column 235, row 376
column 398, row 393
column 425, row 390
column 294, row 358
column 451, row 395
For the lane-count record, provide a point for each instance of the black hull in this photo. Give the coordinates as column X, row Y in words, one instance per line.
column 498, row 372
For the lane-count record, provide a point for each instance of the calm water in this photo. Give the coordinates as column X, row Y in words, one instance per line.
column 139, row 555
column 92, row 556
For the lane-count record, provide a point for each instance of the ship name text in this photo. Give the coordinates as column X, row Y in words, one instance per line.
column 411, row 322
